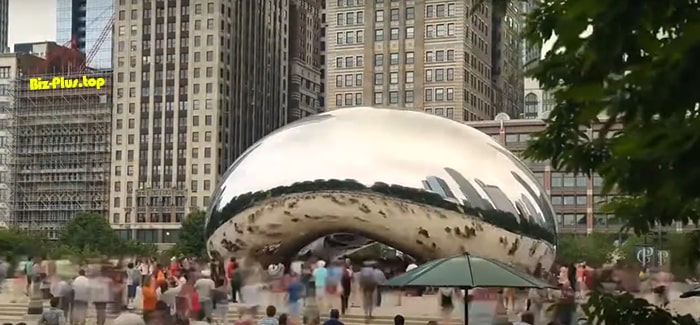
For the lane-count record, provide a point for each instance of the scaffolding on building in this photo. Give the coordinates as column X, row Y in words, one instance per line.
column 60, row 150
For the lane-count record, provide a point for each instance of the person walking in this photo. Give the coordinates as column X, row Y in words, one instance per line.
column 81, row 298
column 150, row 297
column 133, row 280
column 233, row 273
column 536, row 297
column 205, row 287
column 220, row 298
column 29, row 273
column 379, row 279
column 100, row 294
column 320, row 276
column 63, row 291
column 3, row 273
column 295, row 293
column 368, row 286
column 346, row 286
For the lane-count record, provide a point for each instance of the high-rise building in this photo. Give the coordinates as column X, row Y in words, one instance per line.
column 196, row 84
column 58, row 129
column 506, row 59
column 304, row 58
column 438, row 56
column 538, row 103
column 4, row 20
column 85, row 21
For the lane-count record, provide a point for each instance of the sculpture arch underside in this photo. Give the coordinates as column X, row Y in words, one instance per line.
column 275, row 229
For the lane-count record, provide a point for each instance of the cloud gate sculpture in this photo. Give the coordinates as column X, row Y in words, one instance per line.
column 426, row 185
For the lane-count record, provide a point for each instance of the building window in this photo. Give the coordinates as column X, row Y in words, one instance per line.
column 378, row 35
column 409, row 57
column 394, row 34
column 378, row 98
column 393, row 97
column 408, row 96
column 5, row 73
column 394, row 58
column 395, row 14
column 531, row 104
column 410, row 13
column 378, row 60
column 379, row 16
column 410, row 32
column 378, row 78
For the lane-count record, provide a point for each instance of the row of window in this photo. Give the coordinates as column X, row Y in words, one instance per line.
column 395, row 58
column 439, row 30
column 569, row 199
column 439, row 75
column 348, row 80
column 351, row 37
column 349, row 61
column 393, row 97
column 351, row 18
column 393, row 78
column 409, row 58
column 448, row 112
column 350, row 3
column 348, row 99
column 581, row 220
column 394, row 14
column 439, row 56
column 394, row 34
column 439, row 94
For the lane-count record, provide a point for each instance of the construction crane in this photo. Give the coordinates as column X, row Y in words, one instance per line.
column 70, row 58
column 106, row 32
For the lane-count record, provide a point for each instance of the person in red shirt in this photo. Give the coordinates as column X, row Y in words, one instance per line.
column 235, row 283
column 174, row 268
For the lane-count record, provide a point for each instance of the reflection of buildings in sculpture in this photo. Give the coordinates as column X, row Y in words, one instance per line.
column 472, row 197
column 541, row 199
column 499, row 199
column 439, row 186
column 533, row 214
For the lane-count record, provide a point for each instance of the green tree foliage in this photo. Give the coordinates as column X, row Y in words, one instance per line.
column 191, row 241
column 15, row 243
column 595, row 249
column 91, row 232
column 637, row 63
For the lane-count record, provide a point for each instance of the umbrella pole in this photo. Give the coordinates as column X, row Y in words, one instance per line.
column 466, row 309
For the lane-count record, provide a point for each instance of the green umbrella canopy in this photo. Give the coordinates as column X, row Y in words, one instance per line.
column 466, row 271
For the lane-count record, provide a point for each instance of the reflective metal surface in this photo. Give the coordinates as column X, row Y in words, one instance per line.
column 423, row 184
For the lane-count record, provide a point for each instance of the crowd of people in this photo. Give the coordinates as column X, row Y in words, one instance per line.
column 187, row 291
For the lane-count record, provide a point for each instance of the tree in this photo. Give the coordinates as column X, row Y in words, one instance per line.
column 15, row 243
column 635, row 62
column 595, row 249
column 191, row 241
column 91, row 232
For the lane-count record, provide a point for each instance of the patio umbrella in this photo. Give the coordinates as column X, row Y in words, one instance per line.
column 466, row 271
